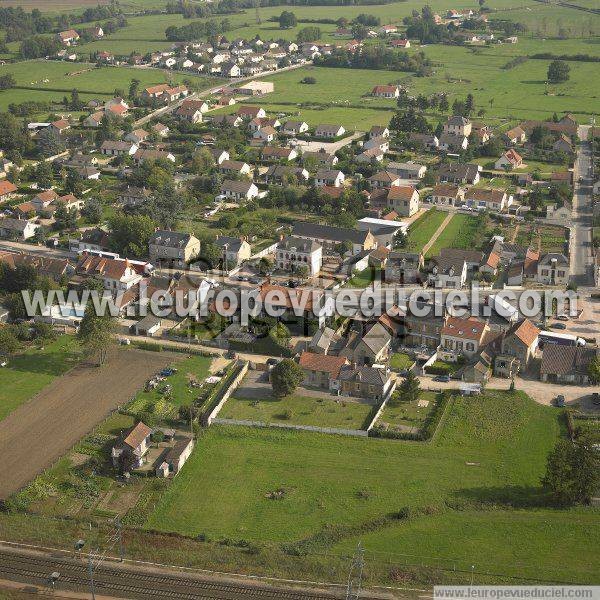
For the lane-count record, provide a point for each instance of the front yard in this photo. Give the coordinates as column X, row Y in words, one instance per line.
column 298, row 409
column 400, row 361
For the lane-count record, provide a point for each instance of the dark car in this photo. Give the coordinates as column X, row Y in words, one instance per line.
column 596, row 398
column 558, row 326
column 442, row 378
column 560, row 401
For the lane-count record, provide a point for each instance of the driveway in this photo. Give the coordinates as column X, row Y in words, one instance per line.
column 329, row 147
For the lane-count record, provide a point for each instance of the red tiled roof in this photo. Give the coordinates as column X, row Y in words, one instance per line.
column 324, row 363
column 471, row 328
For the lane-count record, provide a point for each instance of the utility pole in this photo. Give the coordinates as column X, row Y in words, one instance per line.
column 355, row 576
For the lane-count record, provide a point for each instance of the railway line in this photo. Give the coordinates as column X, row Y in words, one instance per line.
column 127, row 582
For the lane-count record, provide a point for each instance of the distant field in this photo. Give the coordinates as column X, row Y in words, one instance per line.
column 87, row 78
column 31, row 371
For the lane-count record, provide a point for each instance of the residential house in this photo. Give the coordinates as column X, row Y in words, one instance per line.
column 563, row 144
column 374, row 347
column 447, row 194
column 134, row 196
column 68, row 38
column 235, row 250
column 566, row 364
column 386, row 91
column 227, row 120
column 329, row 131
column 424, row 140
column 450, row 142
column 511, row 159
column 160, row 129
column 380, row 143
column 330, row 237
column 53, row 268
column 173, row 247
column 403, row 267
column 553, row 269
column 321, row 370
column 137, row 136
column 407, row 170
column 461, row 337
column 60, row 126
column 379, row 131
column 175, row 457
column 460, row 126
column 517, row 349
column 218, row 155
column 448, row 271
column 95, row 239
column 320, row 158
column 329, row 177
column 239, row 190
column 294, row 127
column 43, row 200
column 515, row 136
column 117, row 275
column 294, row 253
column 190, row 114
column 400, row 43
column 404, row 199
column 128, row 453
column 251, row 112
column 459, row 173
column 488, row 198
column 265, row 134
column 373, row 383
column 117, row 148
column 18, row 229
column 235, row 167
column 383, row 179
column 94, row 120
column 282, row 174
column 372, row 155
column 143, row 154
column 7, row 190
column 277, row 153
column 322, row 340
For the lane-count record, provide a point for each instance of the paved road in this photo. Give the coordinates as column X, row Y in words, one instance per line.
column 330, row 147
column 581, row 247
column 35, row 249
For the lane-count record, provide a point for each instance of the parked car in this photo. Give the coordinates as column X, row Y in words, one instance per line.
column 558, row 326
column 167, row 372
column 442, row 378
column 560, row 401
column 562, row 318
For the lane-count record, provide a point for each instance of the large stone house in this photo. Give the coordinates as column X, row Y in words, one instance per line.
column 173, row 247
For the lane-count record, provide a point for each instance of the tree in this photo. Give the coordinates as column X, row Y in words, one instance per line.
column 134, row 88
column 285, row 377
column 8, row 342
column 130, row 234
column 92, row 210
column 558, row 71
column 287, row 19
column 572, row 472
column 95, row 333
column 594, row 371
column 14, row 139
column 265, row 265
column 7, row 81
column 44, row 176
column 49, row 142
column 65, row 218
column 308, row 34
column 410, row 388
column 211, row 254
column 74, row 182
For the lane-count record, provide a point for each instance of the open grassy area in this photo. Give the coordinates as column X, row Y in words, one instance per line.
column 492, row 449
column 458, row 233
column 400, row 361
column 422, row 230
column 364, row 278
column 27, row 373
column 341, row 413
column 91, row 81
column 402, row 415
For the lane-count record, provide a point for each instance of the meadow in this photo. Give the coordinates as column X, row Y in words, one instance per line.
column 89, row 80
column 460, row 232
column 421, row 231
column 483, row 468
column 29, row 372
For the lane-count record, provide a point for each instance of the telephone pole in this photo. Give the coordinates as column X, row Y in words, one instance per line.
column 355, row 576
column 119, row 526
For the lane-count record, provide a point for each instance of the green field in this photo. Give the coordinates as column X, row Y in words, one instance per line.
column 299, row 410
column 421, row 231
column 400, row 361
column 458, row 233
column 403, row 415
column 28, row 373
column 489, row 455
column 92, row 82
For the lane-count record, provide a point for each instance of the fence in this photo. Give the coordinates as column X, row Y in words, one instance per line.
column 223, row 392
column 314, row 428
column 382, row 406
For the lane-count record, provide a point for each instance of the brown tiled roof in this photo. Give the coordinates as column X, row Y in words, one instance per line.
column 525, row 331
column 137, row 435
column 401, row 192
column 322, row 362
column 471, row 328
column 564, row 360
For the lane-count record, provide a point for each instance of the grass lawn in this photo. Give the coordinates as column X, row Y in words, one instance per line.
column 460, row 232
column 299, row 410
column 31, row 371
column 422, row 230
column 507, row 436
column 364, row 278
column 164, row 406
column 408, row 414
column 400, row 361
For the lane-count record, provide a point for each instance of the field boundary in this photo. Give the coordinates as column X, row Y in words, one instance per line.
column 313, row 428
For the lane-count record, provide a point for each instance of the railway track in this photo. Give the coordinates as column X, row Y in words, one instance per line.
column 125, row 582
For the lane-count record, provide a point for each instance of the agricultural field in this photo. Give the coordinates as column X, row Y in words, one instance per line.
column 29, row 372
column 547, row 238
column 490, row 453
column 341, row 413
column 90, row 81
column 421, row 231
